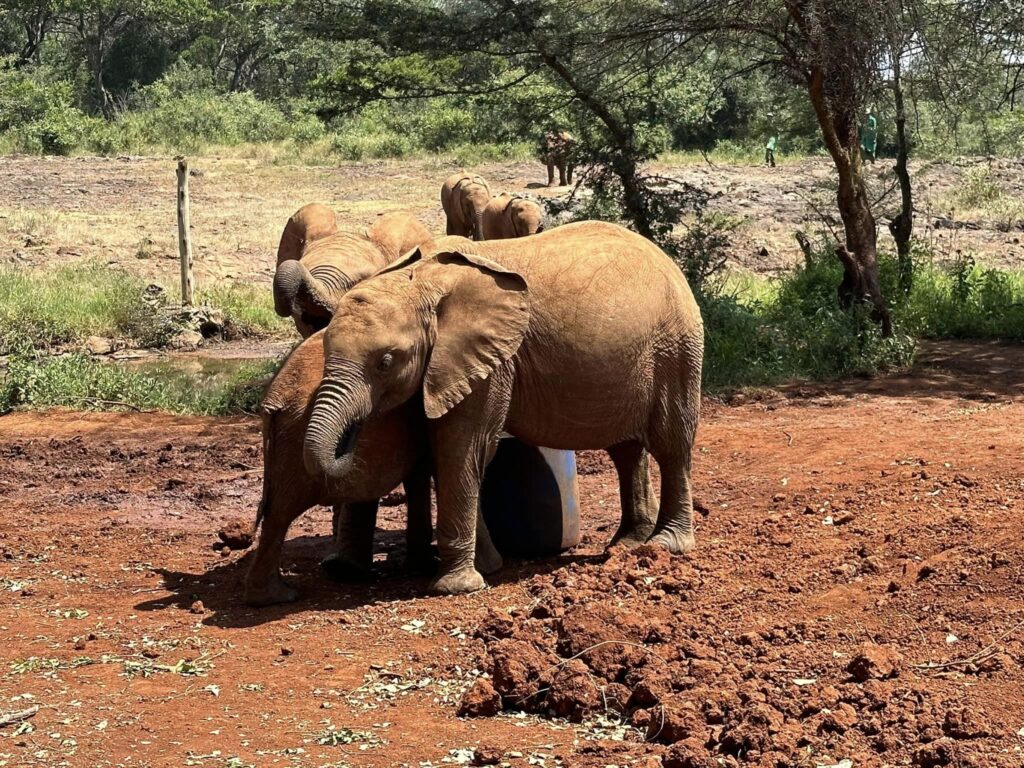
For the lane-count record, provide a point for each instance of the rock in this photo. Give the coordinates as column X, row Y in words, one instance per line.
column 186, row 340
column 286, row 650
column 99, row 345
column 481, row 700
column 197, row 607
column 487, row 755
column 236, row 534
column 842, row 518
column 875, row 662
column 573, row 693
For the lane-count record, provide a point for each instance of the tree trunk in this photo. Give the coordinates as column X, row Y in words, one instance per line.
column 902, row 226
column 859, row 255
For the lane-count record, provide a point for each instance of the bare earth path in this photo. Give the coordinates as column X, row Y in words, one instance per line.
column 121, row 210
column 884, row 511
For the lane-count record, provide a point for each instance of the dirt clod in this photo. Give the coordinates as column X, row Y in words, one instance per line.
column 481, row 700
column 487, row 755
column 236, row 534
column 197, row 607
column 875, row 662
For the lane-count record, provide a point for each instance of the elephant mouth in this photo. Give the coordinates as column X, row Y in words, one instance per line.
column 347, row 440
column 316, row 322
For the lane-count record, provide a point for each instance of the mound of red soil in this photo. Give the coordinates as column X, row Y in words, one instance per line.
column 620, row 637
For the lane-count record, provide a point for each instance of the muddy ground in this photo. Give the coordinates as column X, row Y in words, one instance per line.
column 855, row 596
column 121, row 210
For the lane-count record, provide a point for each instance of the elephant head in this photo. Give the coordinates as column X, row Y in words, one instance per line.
column 525, row 217
column 311, row 222
column 440, row 326
column 307, row 225
column 475, row 194
column 307, row 289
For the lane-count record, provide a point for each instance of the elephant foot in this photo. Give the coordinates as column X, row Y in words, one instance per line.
column 338, row 568
column 632, row 536
column 459, row 582
column 274, row 592
column 676, row 542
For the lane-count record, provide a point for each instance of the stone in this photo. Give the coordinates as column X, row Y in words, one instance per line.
column 99, row 345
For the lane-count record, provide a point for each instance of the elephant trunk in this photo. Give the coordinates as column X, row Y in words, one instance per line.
column 342, row 404
column 478, row 224
column 297, row 292
column 293, row 240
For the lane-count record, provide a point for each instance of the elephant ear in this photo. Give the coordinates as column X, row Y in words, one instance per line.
column 481, row 322
column 412, row 257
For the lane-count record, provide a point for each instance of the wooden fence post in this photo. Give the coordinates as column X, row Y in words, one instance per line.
column 184, row 237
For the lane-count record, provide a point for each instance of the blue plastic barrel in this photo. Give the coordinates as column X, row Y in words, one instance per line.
column 530, row 500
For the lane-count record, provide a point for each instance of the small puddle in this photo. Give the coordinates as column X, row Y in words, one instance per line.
column 211, row 368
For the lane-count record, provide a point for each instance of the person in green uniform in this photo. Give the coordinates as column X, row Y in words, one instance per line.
column 769, row 148
column 869, row 137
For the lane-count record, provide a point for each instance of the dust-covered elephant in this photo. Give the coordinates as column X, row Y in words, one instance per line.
column 317, row 264
column 556, row 151
column 388, row 450
column 507, row 216
column 583, row 337
column 464, row 196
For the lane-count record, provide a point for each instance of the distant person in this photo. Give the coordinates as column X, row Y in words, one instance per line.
column 869, row 137
column 769, row 150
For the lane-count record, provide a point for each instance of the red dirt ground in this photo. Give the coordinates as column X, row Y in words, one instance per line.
column 745, row 653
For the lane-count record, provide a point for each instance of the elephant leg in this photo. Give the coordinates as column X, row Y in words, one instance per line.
column 449, row 229
column 353, row 555
column 419, row 529
column 488, row 560
column 636, row 494
column 463, row 441
column 561, row 174
column 263, row 583
column 551, row 171
column 568, row 172
column 671, row 442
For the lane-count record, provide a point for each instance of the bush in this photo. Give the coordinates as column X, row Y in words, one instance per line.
column 966, row 300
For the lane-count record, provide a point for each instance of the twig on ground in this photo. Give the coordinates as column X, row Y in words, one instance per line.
column 16, row 717
column 989, row 650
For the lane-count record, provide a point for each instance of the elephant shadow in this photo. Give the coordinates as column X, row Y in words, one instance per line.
column 220, row 587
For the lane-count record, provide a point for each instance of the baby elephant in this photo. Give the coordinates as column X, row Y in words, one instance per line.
column 507, row 217
column 388, row 450
column 464, row 196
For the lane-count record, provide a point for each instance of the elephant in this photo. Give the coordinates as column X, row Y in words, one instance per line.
column 389, row 450
column 557, row 152
column 586, row 336
column 506, row 216
column 317, row 264
column 311, row 222
column 464, row 196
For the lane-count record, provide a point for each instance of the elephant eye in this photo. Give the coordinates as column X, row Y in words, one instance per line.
column 385, row 361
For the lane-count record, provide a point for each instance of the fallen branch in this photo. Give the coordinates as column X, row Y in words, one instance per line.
column 17, row 717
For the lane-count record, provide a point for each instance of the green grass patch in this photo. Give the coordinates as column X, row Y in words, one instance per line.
column 67, row 304
column 84, row 383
